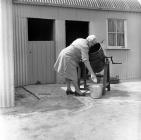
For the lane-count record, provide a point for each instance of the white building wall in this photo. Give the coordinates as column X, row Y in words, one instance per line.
column 6, row 55
column 20, row 51
column 130, row 67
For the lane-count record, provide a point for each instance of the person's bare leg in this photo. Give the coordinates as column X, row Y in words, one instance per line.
column 68, row 83
column 77, row 89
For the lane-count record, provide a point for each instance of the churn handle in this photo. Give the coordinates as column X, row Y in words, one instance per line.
column 111, row 57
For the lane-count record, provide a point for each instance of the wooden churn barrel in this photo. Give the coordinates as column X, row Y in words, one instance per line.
column 97, row 58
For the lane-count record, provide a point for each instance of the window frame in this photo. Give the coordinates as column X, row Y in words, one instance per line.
column 125, row 34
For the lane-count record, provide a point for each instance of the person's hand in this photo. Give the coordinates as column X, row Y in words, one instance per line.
column 93, row 77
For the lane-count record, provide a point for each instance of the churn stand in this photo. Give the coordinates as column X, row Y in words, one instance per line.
column 98, row 62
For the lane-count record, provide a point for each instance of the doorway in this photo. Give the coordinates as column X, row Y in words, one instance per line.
column 76, row 29
column 41, row 51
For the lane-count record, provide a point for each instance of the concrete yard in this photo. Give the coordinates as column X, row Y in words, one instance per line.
column 56, row 116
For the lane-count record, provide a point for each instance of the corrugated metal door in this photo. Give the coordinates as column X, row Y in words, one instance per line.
column 40, row 61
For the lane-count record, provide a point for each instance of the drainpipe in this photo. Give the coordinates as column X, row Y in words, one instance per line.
column 6, row 55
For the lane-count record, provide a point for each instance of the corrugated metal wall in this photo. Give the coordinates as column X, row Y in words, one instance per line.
column 7, row 93
column 20, row 50
column 119, row 56
column 25, row 64
column 41, row 58
column 98, row 25
column 131, row 63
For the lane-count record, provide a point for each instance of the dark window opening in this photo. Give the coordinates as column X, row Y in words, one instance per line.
column 40, row 29
column 76, row 29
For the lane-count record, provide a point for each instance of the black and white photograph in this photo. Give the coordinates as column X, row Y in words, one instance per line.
column 70, row 69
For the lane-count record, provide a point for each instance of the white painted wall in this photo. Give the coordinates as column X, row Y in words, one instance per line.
column 131, row 65
column 7, row 93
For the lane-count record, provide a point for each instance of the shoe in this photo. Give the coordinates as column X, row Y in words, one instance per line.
column 69, row 92
column 78, row 94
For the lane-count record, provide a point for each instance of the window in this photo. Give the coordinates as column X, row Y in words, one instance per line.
column 40, row 29
column 116, row 33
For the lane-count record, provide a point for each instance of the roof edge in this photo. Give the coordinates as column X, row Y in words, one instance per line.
column 77, row 7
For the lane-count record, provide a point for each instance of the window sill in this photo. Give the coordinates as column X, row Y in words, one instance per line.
column 117, row 48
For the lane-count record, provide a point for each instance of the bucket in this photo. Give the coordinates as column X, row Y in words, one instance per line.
column 96, row 90
column 97, row 58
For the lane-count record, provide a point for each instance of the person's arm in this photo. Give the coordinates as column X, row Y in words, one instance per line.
column 93, row 76
column 85, row 60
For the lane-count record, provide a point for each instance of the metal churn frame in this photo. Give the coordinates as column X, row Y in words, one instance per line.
column 106, row 75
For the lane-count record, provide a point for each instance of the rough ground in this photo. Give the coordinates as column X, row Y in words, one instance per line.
column 116, row 116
